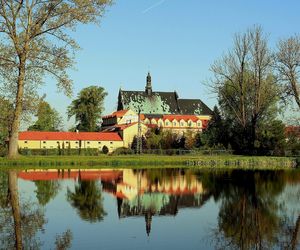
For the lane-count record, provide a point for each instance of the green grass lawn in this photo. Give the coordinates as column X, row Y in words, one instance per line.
column 145, row 161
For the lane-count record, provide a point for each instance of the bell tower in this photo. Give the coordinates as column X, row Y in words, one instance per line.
column 148, row 88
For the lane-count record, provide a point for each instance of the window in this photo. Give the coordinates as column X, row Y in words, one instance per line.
column 88, row 142
column 76, row 142
column 57, row 142
column 199, row 124
column 167, row 123
column 190, row 124
column 99, row 142
column 174, row 123
column 181, row 124
column 25, row 142
column 111, row 142
column 67, row 142
column 44, row 142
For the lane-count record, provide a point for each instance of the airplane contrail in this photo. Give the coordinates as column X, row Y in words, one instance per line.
column 153, row 6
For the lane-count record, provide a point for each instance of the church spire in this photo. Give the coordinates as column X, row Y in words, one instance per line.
column 148, row 88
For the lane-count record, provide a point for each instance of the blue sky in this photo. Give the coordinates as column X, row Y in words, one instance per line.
column 175, row 40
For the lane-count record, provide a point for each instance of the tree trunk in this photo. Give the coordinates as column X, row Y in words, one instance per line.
column 14, row 134
column 295, row 90
column 14, row 200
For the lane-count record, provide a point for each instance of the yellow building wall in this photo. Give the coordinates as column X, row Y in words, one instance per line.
column 130, row 132
column 130, row 116
column 111, row 145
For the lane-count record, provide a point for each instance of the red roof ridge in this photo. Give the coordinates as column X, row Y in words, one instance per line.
column 69, row 136
column 118, row 113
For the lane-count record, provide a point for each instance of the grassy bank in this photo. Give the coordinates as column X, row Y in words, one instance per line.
column 192, row 161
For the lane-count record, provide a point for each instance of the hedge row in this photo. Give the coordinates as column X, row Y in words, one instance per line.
column 68, row 151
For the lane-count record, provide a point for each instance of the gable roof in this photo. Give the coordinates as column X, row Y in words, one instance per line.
column 161, row 103
column 156, row 103
column 68, row 136
column 119, row 113
column 118, row 127
column 193, row 106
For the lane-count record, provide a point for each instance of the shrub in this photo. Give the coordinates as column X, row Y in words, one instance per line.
column 123, row 151
column 68, row 151
column 105, row 150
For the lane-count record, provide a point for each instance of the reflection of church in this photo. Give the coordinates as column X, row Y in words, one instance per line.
column 139, row 193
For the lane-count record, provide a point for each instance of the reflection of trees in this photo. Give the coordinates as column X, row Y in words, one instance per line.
column 248, row 216
column 63, row 241
column 87, row 199
column 46, row 190
column 19, row 221
column 289, row 233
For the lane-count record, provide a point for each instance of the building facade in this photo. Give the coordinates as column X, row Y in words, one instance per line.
column 153, row 109
column 72, row 140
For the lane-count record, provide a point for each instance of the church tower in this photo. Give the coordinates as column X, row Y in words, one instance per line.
column 148, row 88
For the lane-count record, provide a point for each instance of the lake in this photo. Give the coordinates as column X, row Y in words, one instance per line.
column 149, row 209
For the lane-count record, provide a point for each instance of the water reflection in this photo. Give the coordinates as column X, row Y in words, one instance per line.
column 255, row 209
column 21, row 220
column 87, row 199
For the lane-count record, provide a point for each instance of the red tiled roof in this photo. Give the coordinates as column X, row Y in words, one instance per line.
column 68, row 136
column 124, row 126
column 119, row 113
column 194, row 118
column 118, row 127
column 186, row 118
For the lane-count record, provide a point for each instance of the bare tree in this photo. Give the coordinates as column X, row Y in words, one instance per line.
column 288, row 66
column 34, row 42
column 244, row 82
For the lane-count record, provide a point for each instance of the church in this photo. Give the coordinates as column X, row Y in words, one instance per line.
column 155, row 109
column 151, row 102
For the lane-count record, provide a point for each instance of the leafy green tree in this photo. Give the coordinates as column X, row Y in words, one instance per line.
column 87, row 199
column 271, row 138
column 34, row 42
column 217, row 131
column 5, row 123
column 48, row 119
column 87, row 108
column 154, row 139
column 199, row 140
column 134, row 143
column 190, row 140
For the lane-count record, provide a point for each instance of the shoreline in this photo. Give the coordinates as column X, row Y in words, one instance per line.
column 153, row 161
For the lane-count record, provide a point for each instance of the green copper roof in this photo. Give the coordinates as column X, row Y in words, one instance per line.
column 160, row 103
